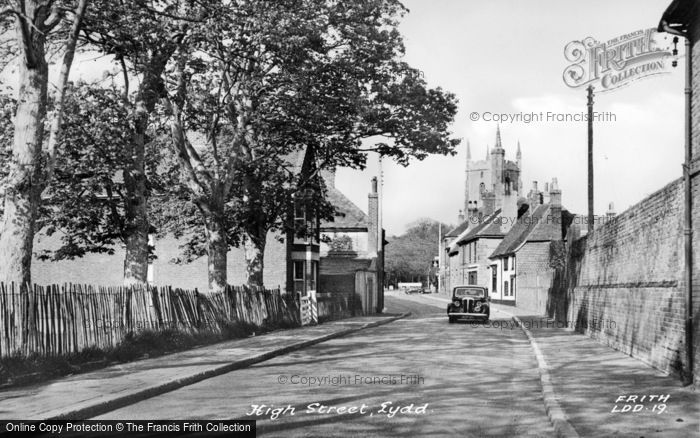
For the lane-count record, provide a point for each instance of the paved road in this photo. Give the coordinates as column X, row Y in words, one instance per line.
column 469, row 380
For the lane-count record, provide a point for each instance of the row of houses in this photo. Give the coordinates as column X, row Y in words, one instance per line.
column 342, row 256
column 506, row 242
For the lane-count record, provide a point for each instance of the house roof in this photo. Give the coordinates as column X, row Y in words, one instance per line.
column 486, row 227
column 535, row 226
column 456, row 231
column 347, row 214
column 524, row 229
column 295, row 160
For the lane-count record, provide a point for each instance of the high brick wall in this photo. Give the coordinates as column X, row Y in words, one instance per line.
column 695, row 187
column 623, row 285
column 534, row 276
column 102, row 269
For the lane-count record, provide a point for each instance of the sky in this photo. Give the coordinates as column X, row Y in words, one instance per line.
column 507, row 56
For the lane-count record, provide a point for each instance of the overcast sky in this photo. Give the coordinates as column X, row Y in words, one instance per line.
column 508, row 56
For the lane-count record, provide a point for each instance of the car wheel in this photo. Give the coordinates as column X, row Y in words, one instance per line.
column 452, row 320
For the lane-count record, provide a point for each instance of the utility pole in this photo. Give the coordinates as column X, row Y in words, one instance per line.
column 380, row 239
column 439, row 266
column 590, row 159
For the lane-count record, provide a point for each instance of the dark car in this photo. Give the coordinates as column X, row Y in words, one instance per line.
column 469, row 302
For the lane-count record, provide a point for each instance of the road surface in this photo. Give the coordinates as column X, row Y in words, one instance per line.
column 415, row 377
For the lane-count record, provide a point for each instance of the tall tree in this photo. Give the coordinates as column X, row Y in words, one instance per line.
column 31, row 164
column 410, row 256
column 87, row 201
column 142, row 37
column 272, row 76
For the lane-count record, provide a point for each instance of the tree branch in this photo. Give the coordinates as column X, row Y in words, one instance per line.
column 55, row 130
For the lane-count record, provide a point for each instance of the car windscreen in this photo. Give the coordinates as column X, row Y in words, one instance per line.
column 468, row 292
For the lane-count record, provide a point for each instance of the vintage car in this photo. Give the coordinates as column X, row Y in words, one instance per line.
column 469, row 302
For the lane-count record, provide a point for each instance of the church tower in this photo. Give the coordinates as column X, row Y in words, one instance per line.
column 493, row 182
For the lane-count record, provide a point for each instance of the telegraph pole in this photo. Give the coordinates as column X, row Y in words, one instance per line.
column 590, row 159
column 439, row 267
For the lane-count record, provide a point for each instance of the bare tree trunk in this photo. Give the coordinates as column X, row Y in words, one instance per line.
column 23, row 185
column 254, row 249
column 136, row 207
column 217, row 250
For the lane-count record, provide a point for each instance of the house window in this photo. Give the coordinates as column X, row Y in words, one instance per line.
column 494, row 279
column 505, row 289
column 472, row 277
column 505, row 263
column 512, row 263
column 299, row 276
column 512, row 285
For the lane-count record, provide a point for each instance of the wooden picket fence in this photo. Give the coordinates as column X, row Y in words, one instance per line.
column 61, row 319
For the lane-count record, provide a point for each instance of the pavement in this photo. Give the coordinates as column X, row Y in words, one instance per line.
column 90, row 394
column 588, row 388
column 591, row 389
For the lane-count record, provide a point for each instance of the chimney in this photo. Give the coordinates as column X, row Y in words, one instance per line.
column 373, row 226
column 611, row 212
column 460, row 217
column 489, row 200
column 555, row 209
column 534, row 196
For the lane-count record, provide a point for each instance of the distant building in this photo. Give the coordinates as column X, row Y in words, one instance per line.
column 524, row 262
column 491, row 197
column 505, row 242
column 352, row 247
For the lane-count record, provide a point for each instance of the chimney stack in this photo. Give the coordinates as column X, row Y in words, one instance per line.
column 555, row 209
column 489, row 200
column 611, row 211
column 460, row 217
column 534, row 197
column 373, row 213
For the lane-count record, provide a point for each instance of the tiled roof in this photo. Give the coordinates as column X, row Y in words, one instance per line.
column 487, row 227
column 295, row 160
column 536, row 226
column 458, row 229
column 348, row 215
column 521, row 230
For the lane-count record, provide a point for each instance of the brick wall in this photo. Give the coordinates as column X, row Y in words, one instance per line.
column 101, row 269
column 695, row 187
column 534, row 276
column 623, row 285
